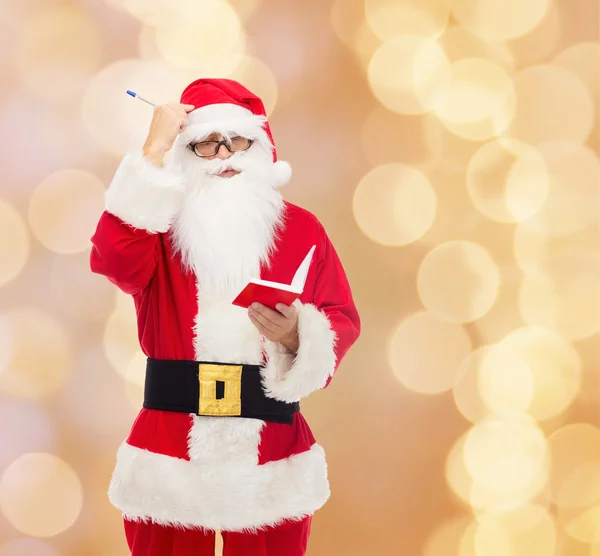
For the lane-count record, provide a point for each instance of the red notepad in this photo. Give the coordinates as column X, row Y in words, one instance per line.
column 272, row 293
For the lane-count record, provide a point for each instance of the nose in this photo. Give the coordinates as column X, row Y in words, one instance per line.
column 223, row 153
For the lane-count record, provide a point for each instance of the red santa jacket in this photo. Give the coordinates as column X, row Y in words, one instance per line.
column 225, row 473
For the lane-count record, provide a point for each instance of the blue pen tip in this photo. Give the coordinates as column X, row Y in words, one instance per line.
column 131, row 93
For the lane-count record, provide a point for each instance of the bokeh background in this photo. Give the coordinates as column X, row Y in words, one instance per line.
column 451, row 149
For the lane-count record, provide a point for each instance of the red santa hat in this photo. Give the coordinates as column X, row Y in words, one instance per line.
column 227, row 107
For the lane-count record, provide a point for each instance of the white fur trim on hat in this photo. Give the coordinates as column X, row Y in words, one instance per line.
column 282, row 173
column 226, row 119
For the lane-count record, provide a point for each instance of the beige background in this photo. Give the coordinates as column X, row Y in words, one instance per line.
column 451, row 150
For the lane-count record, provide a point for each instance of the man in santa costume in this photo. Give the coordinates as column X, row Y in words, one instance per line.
column 220, row 443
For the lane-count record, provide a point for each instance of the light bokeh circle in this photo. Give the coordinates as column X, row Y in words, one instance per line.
column 494, row 21
column 14, row 243
column 493, row 380
column 41, row 354
column 506, row 453
column 394, row 204
column 40, row 495
column 458, row 281
column 508, row 180
column 416, row 365
column 64, row 210
column 408, row 74
column 480, row 101
column 547, row 89
column 392, row 18
column 556, row 368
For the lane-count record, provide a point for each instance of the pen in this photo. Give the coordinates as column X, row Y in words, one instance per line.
column 135, row 95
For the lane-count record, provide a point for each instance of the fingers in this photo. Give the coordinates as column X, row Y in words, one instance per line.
column 264, row 325
column 288, row 311
column 188, row 107
column 272, row 316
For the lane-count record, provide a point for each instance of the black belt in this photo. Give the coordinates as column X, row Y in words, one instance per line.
column 215, row 389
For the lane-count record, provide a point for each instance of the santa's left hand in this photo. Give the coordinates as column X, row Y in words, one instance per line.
column 278, row 326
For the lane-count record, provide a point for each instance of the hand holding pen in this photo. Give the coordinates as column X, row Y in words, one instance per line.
column 168, row 121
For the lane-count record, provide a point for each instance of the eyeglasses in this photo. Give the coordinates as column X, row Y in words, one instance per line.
column 205, row 149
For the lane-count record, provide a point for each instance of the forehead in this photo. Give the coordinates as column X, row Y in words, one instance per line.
column 214, row 136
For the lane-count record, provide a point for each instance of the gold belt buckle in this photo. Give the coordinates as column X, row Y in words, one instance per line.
column 231, row 403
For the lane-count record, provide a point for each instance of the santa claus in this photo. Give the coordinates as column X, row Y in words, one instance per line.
column 220, row 443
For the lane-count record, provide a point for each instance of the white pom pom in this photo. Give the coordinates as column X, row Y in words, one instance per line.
column 282, row 173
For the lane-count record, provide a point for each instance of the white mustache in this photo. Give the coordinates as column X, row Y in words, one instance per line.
column 217, row 166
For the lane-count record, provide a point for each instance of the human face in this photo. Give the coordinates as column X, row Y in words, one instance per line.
column 225, row 148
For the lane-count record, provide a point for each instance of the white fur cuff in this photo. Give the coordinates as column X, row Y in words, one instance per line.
column 143, row 195
column 289, row 378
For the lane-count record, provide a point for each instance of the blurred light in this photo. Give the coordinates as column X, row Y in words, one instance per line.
column 57, row 52
column 14, row 243
column 526, row 531
column 541, row 43
column 564, row 295
column 389, row 137
column 454, row 155
column 493, row 379
column 457, row 476
column 507, row 180
column 27, row 547
column 583, row 60
column 408, row 73
column 458, row 43
column 585, row 527
column 41, row 354
column 531, row 249
column 120, row 335
column 392, row 18
column 445, row 539
column 479, row 103
column 193, row 38
column 64, row 210
column 574, row 197
column 135, row 374
column 483, row 495
column 394, row 204
column 504, row 316
column 347, row 16
column 41, row 495
column 245, row 8
column 419, row 367
column 35, row 431
column 506, row 453
column 115, row 120
column 93, row 402
column 578, row 502
column 571, row 447
column 458, row 281
column 258, row 78
column 78, row 291
column 499, row 22
column 365, row 45
column 555, row 365
column 544, row 90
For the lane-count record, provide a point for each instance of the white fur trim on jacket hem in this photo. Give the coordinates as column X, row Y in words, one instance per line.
column 143, row 195
column 289, row 378
column 228, row 496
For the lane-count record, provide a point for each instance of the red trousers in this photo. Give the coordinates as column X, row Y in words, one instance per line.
column 149, row 539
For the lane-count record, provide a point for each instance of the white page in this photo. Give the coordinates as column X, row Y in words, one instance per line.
column 302, row 272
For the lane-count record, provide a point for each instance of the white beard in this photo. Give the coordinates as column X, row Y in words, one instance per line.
column 227, row 226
